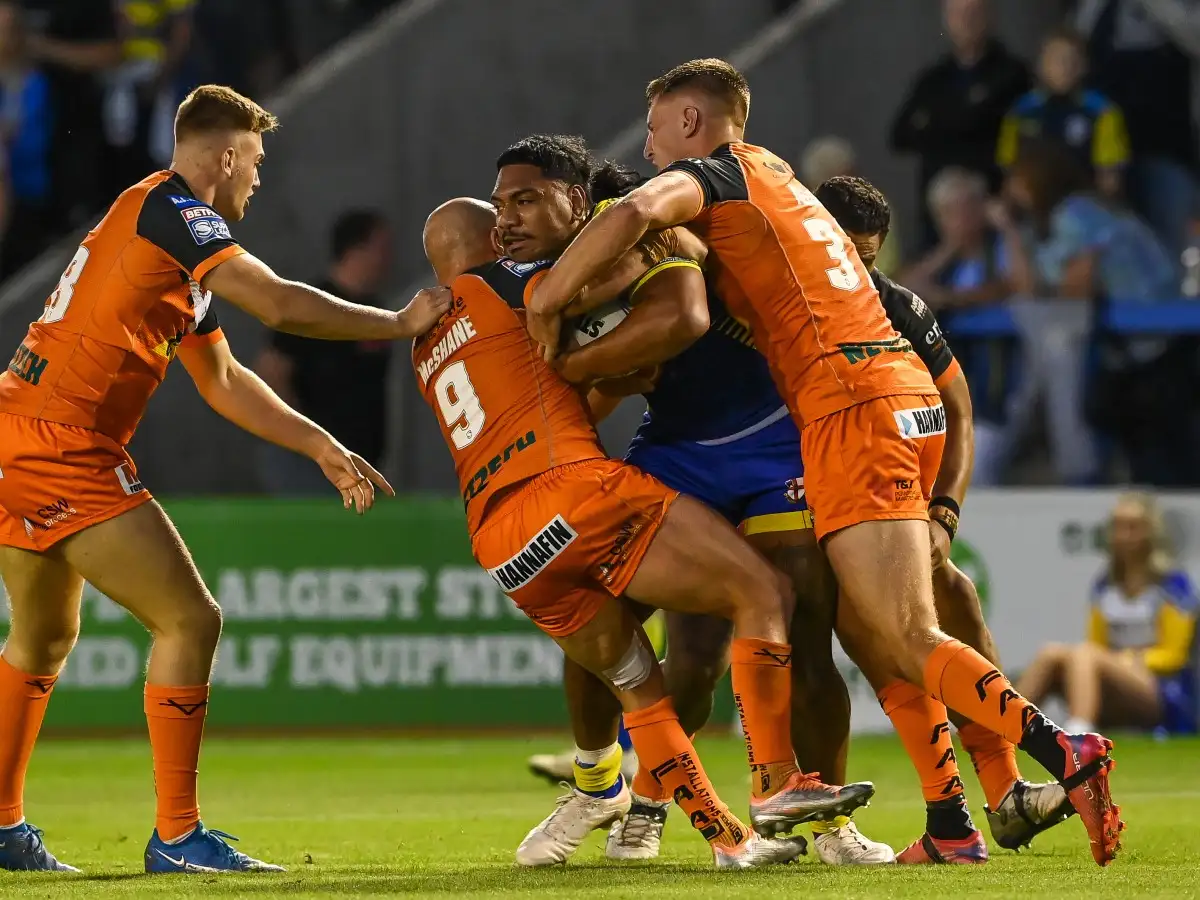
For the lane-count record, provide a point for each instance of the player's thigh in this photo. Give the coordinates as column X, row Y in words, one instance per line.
column 44, row 595
column 697, row 563
column 139, row 561
column 886, row 602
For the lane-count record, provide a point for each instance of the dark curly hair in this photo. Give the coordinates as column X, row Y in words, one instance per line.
column 610, row 180
column 858, row 205
column 563, row 157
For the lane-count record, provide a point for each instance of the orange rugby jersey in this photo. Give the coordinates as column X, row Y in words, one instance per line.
column 782, row 263
column 129, row 297
column 506, row 415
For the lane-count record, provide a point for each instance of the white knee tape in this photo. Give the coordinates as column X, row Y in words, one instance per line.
column 633, row 669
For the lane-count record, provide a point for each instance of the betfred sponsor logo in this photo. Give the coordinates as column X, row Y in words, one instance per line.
column 925, row 421
column 543, row 548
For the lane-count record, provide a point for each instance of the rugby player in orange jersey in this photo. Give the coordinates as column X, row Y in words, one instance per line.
column 872, row 425
column 565, row 531
column 136, row 294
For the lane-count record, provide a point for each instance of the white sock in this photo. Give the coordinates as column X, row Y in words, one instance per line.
column 1079, row 726
column 182, row 837
column 595, row 757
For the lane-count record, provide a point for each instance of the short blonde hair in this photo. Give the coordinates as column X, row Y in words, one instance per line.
column 213, row 107
column 1162, row 557
column 714, row 77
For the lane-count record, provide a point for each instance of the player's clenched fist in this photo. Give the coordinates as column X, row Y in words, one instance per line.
column 354, row 477
column 424, row 310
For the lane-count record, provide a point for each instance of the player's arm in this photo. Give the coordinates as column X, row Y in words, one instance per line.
column 654, row 247
column 671, row 198
column 669, row 313
column 237, row 394
column 297, row 308
column 913, row 318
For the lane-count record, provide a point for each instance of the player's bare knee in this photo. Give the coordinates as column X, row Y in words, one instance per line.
column 197, row 623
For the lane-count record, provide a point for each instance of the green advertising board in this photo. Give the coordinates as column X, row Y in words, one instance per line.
column 331, row 619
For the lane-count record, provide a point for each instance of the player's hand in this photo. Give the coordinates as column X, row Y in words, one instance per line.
column 354, row 477
column 571, row 370
column 546, row 329
column 424, row 310
column 642, row 381
column 939, row 543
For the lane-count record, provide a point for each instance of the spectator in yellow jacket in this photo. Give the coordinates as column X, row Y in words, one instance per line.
column 1137, row 667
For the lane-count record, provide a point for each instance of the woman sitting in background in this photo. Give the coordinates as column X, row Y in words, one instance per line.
column 1136, row 668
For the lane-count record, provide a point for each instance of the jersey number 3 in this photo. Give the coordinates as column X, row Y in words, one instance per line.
column 56, row 306
column 459, row 405
column 843, row 276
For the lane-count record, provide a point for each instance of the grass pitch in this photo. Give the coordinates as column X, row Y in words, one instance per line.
column 440, row 818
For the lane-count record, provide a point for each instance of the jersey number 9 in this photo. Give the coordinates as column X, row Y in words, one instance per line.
column 459, row 405
column 56, row 306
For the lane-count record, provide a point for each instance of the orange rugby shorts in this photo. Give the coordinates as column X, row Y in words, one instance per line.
column 56, row 480
column 875, row 460
column 570, row 538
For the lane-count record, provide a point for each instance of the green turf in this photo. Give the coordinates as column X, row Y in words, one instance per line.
column 437, row 818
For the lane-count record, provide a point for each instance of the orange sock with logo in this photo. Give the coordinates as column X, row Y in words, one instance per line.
column 994, row 759
column 23, row 701
column 670, row 761
column 921, row 723
column 967, row 683
column 175, row 716
column 762, row 692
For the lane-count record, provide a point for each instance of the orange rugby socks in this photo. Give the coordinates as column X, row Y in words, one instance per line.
column 670, row 761
column 23, row 700
column 967, row 683
column 762, row 692
column 175, row 716
column 994, row 759
column 921, row 723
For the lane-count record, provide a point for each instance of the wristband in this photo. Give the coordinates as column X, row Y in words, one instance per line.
column 948, row 503
column 946, row 518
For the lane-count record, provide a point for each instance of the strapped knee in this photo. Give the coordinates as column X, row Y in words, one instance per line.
column 633, row 669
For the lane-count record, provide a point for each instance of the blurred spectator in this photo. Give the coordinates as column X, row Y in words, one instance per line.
column 1059, row 109
column 828, row 157
column 966, row 270
column 1136, row 64
column 26, row 120
column 1072, row 250
column 340, row 385
column 1137, row 667
column 140, row 100
column 74, row 41
column 952, row 114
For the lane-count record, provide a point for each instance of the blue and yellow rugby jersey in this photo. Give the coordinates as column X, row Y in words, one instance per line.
column 1159, row 624
column 719, row 387
column 1087, row 122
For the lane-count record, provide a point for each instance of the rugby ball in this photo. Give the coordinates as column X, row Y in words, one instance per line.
column 600, row 321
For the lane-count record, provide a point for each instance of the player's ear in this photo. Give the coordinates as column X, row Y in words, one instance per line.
column 229, row 161
column 581, row 206
column 497, row 246
column 691, row 121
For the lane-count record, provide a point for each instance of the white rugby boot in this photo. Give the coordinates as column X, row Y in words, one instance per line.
column 639, row 834
column 575, row 816
column 847, row 846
